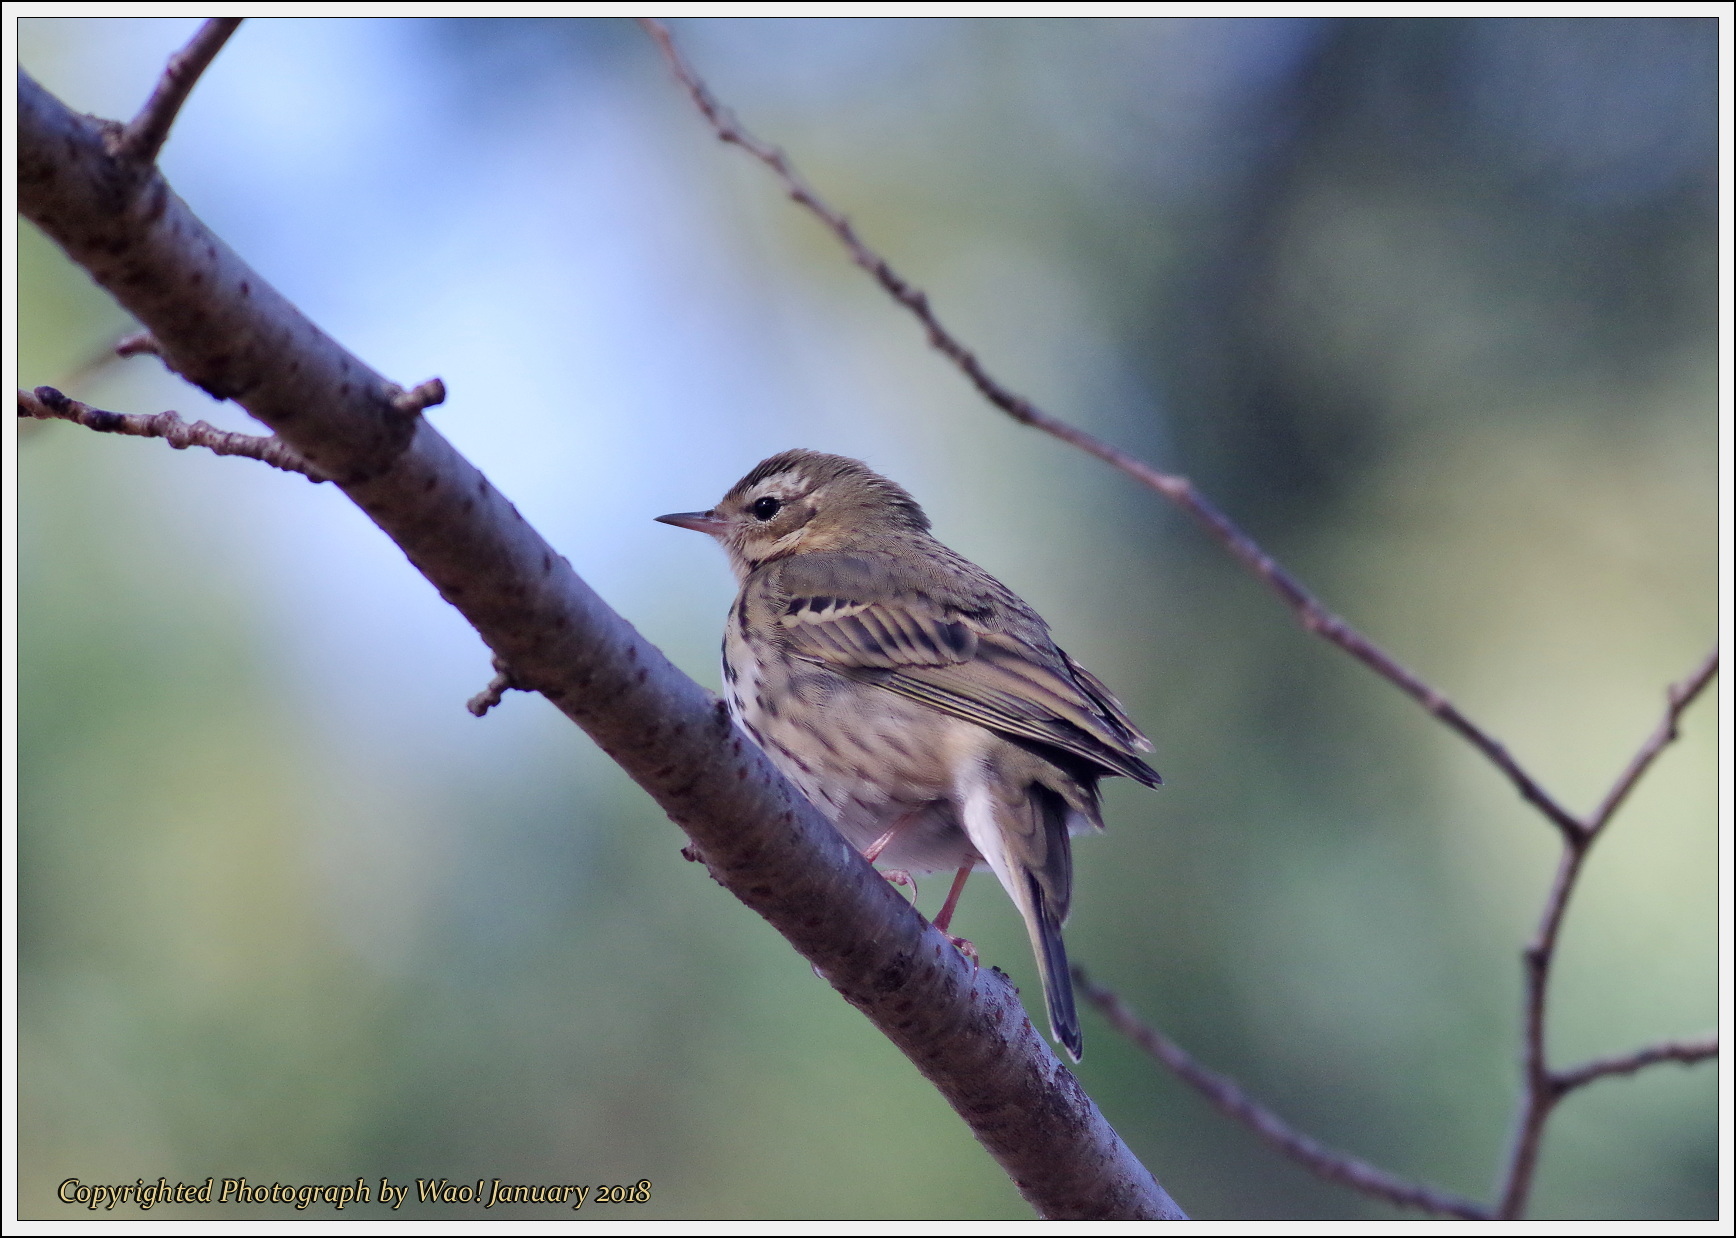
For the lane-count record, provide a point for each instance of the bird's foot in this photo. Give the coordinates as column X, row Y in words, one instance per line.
column 965, row 948
column 898, row 877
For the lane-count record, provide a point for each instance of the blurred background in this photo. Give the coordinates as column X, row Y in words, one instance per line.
column 1428, row 305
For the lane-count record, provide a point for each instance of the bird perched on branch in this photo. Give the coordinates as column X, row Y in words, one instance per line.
column 915, row 699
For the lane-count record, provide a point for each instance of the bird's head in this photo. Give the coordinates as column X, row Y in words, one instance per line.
column 803, row 502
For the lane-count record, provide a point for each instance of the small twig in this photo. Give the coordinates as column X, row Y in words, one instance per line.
column 1228, row 1098
column 1680, row 696
column 502, row 683
column 145, row 135
column 1541, row 1089
column 1686, row 1052
column 138, row 344
column 1309, row 611
column 48, row 404
column 98, row 360
column 421, row 396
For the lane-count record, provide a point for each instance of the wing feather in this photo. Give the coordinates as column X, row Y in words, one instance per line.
column 973, row 664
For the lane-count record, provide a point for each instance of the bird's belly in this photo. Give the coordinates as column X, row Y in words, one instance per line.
column 865, row 757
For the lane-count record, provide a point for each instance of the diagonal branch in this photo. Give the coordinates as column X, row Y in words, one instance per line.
column 1228, row 1098
column 48, row 404
column 144, row 136
column 1309, row 610
column 1685, row 1052
column 217, row 322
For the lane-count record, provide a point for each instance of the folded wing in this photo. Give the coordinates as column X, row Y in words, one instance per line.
column 994, row 665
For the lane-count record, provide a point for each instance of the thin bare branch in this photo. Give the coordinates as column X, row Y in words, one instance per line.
column 1536, row 1097
column 1309, row 611
column 1685, row 1052
column 1541, row 1089
column 1228, row 1098
column 1681, row 695
column 46, row 403
column 144, row 136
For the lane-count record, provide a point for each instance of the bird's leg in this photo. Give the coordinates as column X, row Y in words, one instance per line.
column 897, row 876
column 951, row 904
column 885, row 840
column 944, row 919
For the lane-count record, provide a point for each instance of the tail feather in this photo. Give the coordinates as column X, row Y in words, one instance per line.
column 1051, row 954
column 1019, row 822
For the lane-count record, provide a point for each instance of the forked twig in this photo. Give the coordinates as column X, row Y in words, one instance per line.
column 1542, row 1089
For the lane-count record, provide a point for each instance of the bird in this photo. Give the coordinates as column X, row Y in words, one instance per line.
column 918, row 703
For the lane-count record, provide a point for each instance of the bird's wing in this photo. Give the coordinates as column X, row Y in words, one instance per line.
column 859, row 617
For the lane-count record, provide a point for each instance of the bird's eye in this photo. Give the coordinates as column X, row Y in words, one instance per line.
column 766, row 508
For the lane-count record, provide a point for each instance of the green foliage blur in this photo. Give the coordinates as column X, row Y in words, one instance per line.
column 1428, row 305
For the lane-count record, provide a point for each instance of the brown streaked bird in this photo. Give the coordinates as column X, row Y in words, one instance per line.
column 915, row 699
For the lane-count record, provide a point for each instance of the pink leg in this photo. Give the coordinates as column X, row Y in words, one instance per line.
column 946, row 910
column 950, row 905
column 945, row 917
column 885, row 840
column 896, row 876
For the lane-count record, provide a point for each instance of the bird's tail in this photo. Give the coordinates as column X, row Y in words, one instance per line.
column 1051, row 954
column 1020, row 824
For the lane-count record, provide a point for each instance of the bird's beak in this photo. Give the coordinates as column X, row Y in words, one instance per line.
column 700, row 522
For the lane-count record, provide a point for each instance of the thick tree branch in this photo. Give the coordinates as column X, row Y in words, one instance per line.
column 1228, row 1098
column 144, row 137
column 217, row 322
column 48, row 404
column 1310, row 612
